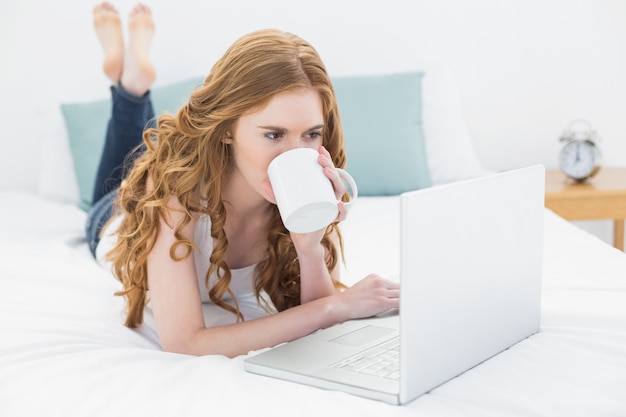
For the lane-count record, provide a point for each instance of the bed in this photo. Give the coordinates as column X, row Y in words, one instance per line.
column 65, row 352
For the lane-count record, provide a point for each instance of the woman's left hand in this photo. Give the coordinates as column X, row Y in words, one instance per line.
column 326, row 161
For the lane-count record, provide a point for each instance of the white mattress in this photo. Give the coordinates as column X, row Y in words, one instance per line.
column 65, row 352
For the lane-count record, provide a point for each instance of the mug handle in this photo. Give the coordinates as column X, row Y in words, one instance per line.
column 351, row 184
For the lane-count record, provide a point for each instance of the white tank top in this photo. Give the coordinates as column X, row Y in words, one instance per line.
column 241, row 284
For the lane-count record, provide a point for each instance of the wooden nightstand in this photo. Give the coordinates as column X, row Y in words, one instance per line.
column 602, row 197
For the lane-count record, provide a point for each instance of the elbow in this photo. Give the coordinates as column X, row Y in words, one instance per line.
column 179, row 347
column 181, row 344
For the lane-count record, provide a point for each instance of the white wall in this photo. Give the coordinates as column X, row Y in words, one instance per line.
column 524, row 69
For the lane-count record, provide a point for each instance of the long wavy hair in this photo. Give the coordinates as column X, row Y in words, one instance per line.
column 186, row 157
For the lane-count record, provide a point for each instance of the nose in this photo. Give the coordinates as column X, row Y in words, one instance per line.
column 299, row 142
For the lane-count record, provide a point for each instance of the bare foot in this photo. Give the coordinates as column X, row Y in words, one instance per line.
column 138, row 74
column 108, row 27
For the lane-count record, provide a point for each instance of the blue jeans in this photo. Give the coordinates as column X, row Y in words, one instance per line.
column 129, row 117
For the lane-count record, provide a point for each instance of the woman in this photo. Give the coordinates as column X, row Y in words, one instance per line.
column 195, row 216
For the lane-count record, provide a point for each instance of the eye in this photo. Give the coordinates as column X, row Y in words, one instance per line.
column 314, row 135
column 275, row 135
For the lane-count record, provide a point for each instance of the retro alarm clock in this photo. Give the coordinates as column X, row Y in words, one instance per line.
column 580, row 156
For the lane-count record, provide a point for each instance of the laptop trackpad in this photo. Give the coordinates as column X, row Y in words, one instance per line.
column 362, row 335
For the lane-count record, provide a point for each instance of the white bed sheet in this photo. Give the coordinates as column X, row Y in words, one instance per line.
column 65, row 352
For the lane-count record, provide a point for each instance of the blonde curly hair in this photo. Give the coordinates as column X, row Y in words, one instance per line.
column 186, row 157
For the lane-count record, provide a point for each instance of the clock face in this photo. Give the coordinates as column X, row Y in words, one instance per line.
column 579, row 159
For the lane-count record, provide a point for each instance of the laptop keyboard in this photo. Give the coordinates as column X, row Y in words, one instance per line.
column 381, row 360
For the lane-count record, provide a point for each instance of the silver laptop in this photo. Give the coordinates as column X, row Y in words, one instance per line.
column 470, row 279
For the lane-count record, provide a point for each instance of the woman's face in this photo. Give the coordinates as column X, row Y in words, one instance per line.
column 290, row 120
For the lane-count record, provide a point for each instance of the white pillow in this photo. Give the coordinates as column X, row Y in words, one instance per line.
column 57, row 179
column 450, row 148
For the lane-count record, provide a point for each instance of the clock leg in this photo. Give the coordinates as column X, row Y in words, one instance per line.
column 618, row 234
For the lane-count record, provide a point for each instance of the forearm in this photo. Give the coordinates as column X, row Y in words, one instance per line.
column 368, row 297
column 241, row 338
column 315, row 279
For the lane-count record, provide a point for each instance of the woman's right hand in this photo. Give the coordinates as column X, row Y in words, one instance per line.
column 368, row 297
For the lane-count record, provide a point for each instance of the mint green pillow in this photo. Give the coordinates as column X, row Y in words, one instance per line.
column 381, row 117
column 86, row 127
column 382, row 121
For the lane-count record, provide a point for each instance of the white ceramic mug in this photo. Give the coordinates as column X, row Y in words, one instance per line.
column 304, row 195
